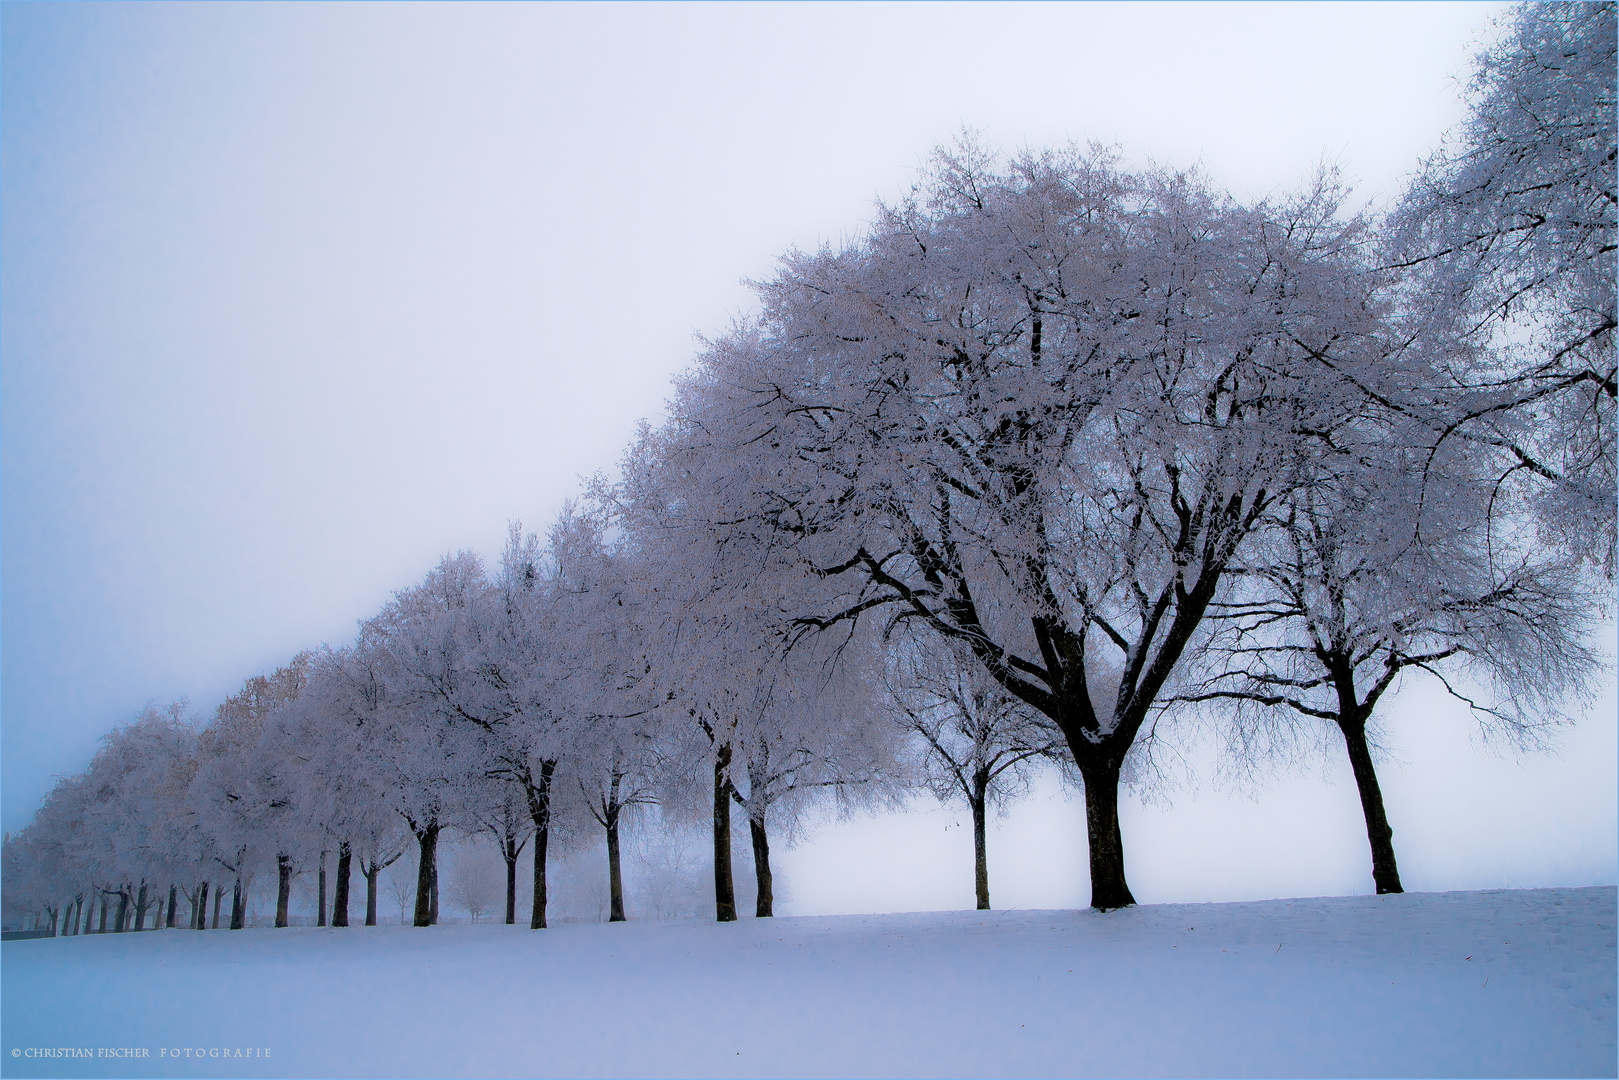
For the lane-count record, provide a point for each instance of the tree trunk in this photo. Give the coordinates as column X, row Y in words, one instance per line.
column 340, row 898
column 143, row 904
column 432, row 891
column 539, row 811
column 980, row 848
column 1385, row 872
column 615, row 879
column 238, row 906
column 122, row 922
column 283, row 888
column 764, row 906
column 320, row 918
column 542, row 840
column 199, row 908
column 371, row 894
column 102, row 928
column 724, row 887
column 509, row 851
column 219, row 894
column 168, row 924
column 1109, row 889
column 427, row 854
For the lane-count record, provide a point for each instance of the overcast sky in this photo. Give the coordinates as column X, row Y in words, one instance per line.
column 296, row 298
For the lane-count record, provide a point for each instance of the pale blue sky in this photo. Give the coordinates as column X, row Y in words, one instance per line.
column 297, row 297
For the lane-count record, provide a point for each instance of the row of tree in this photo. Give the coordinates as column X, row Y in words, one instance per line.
column 1060, row 460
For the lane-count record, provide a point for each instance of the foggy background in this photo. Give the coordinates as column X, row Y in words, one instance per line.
column 296, row 298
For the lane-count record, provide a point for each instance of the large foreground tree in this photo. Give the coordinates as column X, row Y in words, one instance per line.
column 1039, row 411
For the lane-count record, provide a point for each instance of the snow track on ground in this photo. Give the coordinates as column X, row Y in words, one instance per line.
column 1496, row 983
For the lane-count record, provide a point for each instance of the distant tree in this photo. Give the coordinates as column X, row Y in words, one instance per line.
column 978, row 742
column 472, row 883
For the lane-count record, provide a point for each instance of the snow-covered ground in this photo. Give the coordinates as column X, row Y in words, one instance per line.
column 1443, row 984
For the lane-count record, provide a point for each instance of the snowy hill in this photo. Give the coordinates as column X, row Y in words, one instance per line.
column 1478, row 983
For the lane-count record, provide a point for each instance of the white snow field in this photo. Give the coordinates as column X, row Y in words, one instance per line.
column 1499, row 983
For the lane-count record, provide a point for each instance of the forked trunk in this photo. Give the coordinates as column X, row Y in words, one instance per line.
column 764, row 906
column 122, row 922
column 283, row 888
column 427, row 857
column 340, row 896
column 1108, row 887
column 724, row 887
column 1385, row 872
column 980, row 848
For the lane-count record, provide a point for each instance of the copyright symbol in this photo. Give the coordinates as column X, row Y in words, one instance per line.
column 15, row 1052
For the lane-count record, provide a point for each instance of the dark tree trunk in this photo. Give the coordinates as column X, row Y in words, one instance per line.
column 219, row 894
column 724, row 886
column 539, row 811
column 283, row 888
column 174, row 898
column 536, row 914
column 509, row 851
column 980, row 848
column 764, row 906
column 1109, row 890
column 432, row 891
column 320, row 918
column 1385, row 872
column 102, row 929
column 427, row 855
column 615, row 879
column 122, row 922
column 371, row 895
column 238, row 906
column 143, row 904
column 340, row 898
column 199, row 908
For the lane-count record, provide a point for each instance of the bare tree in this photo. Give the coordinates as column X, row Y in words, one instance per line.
column 978, row 741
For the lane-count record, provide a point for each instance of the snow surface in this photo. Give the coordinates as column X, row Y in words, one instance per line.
column 1440, row 984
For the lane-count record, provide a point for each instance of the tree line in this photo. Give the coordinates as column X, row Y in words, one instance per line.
column 1061, row 460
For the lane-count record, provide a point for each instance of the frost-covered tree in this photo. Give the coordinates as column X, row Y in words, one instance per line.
column 1038, row 411
column 1509, row 235
column 1391, row 568
column 414, row 665
column 238, row 793
column 764, row 722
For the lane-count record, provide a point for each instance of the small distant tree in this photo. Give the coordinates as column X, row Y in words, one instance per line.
column 472, row 882
column 979, row 743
